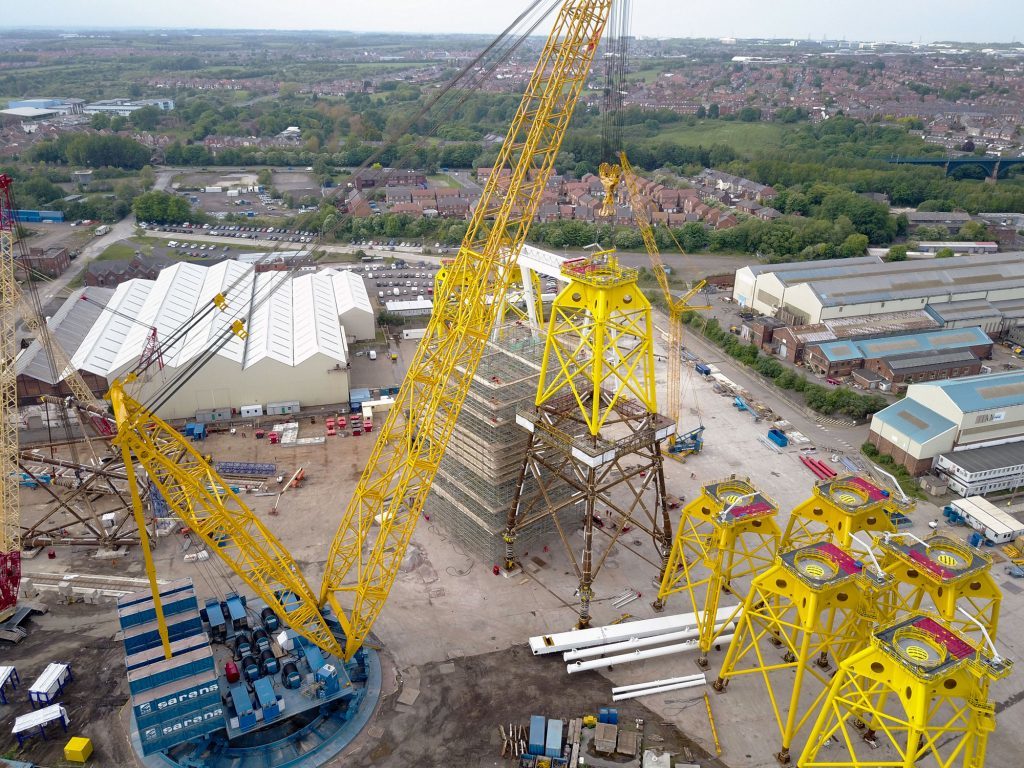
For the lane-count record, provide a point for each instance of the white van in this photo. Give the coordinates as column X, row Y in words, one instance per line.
column 373, row 354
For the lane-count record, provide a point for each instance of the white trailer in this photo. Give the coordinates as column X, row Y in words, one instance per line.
column 996, row 525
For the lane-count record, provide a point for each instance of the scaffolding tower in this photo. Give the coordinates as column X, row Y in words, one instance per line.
column 594, row 429
column 814, row 603
column 840, row 508
column 724, row 537
column 945, row 576
column 479, row 473
column 918, row 694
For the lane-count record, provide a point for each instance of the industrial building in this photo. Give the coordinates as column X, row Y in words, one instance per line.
column 413, row 308
column 296, row 349
column 900, row 360
column 68, row 327
column 59, row 106
column 48, row 262
column 938, row 417
column 983, row 470
column 996, row 525
column 789, row 342
column 124, row 107
column 977, row 289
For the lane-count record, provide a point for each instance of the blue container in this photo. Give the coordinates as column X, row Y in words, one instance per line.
column 553, row 742
column 613, row 716
column 602, row 715
column 537, row 734
column 975, row 539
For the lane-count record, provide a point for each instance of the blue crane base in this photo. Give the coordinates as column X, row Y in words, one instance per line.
column 310, row 737
column 254, row 718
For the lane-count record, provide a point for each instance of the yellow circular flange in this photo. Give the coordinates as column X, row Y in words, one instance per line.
column 919, row 648
column 815, row 567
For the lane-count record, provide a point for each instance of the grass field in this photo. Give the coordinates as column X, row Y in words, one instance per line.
column 121, row 250
column 743, row 137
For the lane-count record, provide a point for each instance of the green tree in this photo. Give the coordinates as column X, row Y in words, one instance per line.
column 702, row 112
column 944, row 253
column 265, row 178
column 146, row 119
column 162, row 208
column 100, row 121
column 714, row 111
column 897, row 253
column 854, row 245
column 974, row 231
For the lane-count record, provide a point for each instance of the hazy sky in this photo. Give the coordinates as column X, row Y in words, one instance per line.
column 907, row 20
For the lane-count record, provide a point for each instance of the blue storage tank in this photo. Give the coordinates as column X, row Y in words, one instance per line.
column 613, row 716
column 553, row 742
column 537, row 734
column 602, row 715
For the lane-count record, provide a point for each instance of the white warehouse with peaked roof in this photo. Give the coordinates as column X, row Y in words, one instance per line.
column 299, row 330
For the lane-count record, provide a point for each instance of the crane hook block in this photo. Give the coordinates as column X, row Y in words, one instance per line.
column 238, row 328
column 220, row 302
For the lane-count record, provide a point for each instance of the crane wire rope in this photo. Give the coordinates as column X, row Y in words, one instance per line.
column 505, row 44
column 510, row 40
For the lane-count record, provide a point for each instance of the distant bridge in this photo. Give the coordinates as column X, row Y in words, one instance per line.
column 993, row 166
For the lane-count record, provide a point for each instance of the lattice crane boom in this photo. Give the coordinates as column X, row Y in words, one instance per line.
column 363, row 563
column 10, row 539
column 195, row 492
column 677, row 305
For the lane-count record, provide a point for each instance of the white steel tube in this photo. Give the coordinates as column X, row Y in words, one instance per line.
column 638, row 655
column 656, row 683
column 585, row 638
column 660, row 689
column 635, row 642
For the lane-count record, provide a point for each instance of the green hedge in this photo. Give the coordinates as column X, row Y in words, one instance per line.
column 909, row 485
column 824, row 400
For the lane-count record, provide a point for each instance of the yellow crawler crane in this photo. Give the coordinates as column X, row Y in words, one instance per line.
column 816, row 602
column 677, row 305
column 363, row 560
column 840, row 508
column 724, row 537
column 917, row 695
column 945, row 576
column 217, row 515
column 376, row 526
column 10, row 539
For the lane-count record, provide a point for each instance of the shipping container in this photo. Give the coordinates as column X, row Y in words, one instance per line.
column 213, row 415
column 537, row 734
column 282, row 409
column 553, row 742
column 251, row 411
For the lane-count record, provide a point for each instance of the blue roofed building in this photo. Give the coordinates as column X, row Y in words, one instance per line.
column 950, row 416
column 900, row 360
